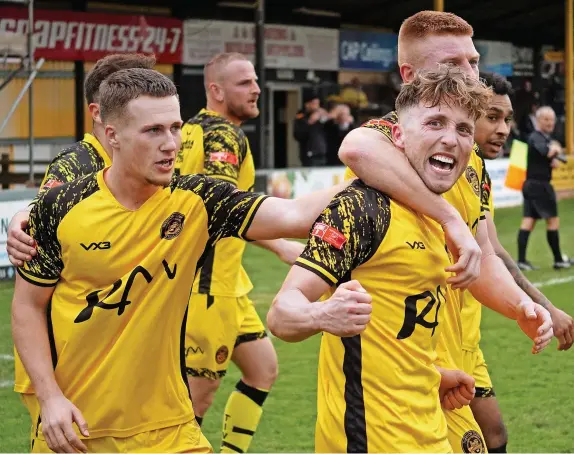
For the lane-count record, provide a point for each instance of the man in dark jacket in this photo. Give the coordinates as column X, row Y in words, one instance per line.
column 539, row 195
column 309, row 131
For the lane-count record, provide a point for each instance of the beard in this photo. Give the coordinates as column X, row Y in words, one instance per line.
column 242, row 112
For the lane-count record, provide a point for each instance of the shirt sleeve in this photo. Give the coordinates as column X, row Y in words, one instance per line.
column 64, row 168
column 230, row 211
column 540, row 144
column 384, row 125
column 225, row 148
column 45, row 267
column 347, row 233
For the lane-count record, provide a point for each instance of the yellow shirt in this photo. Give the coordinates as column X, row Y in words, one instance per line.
column 466, row 197
column 471, row 308
column 82, row 158
column 122, row 284
column 378, row 391
column 213, row 146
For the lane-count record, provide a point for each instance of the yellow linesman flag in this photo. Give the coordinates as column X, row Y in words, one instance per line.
column 516, row 174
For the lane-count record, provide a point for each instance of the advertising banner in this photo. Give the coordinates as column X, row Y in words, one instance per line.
column 285, row 46
column 495, row 56
column 69, row 35
column 367, row 50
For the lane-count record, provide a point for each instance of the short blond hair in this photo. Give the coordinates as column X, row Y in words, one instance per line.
column 448, row 85
column 212, row 69
column 425, row 23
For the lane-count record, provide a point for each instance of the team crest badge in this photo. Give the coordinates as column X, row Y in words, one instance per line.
column 172, row 226
column 472, row 178
column 221, row 354
column 472, row 443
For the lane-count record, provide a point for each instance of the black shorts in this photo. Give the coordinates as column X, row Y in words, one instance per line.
column 539, row 200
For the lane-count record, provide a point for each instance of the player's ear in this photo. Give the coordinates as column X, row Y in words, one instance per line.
column 111, row 135
column 398, row 136
column 95, row 112
column 407, row 72
column 216, row 91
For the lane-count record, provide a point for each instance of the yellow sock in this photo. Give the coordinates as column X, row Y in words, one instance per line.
column 241, row 418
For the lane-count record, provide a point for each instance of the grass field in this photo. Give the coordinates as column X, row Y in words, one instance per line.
column 535, row 392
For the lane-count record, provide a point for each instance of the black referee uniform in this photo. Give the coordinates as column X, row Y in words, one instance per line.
column 539, row 195
column 539, row 198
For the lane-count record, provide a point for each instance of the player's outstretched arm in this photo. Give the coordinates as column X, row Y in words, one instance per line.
column 30, row 333
column 293, row 318
column 376, row 161
column 496, row 289
column 283, row 218
column 563, row 324
column 286, row 250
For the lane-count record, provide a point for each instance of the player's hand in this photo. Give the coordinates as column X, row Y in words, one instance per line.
column 536, row 323
column 456, row 388
column 563, row 327
column 555, row 163
column 466, row 252
column 347, row 312
column 20, row 246
column 291, row 251
column 58, row 416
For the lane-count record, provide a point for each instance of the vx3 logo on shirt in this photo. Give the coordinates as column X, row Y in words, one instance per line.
column 95, row 246
column 416, row 245
column 93, row 299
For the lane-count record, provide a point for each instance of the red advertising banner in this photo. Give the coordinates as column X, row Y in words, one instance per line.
column 69, row 35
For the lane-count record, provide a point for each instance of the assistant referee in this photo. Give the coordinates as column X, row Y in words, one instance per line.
column 539, row 195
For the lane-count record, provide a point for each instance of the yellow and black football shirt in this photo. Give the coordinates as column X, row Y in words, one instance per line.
column 121, row 277
column 82, row 158
column 466, row 197
column 471, row 308
column 378, row 391
column 213, row 146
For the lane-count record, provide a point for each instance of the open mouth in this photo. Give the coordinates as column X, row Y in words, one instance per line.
column 442, row 163
column 165, row 163
column 497, row 143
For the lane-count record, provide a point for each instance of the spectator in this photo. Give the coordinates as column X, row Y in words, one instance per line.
column 354, row 96
column 340, row 123
column 309, row 131
column 539, row 195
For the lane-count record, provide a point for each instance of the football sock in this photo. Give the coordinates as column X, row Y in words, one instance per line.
column 241, row 417
column 522, row 243
column 554, row 242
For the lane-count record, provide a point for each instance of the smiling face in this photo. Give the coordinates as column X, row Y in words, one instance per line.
column 492, row 130
column 437, row 141
column 145, row 140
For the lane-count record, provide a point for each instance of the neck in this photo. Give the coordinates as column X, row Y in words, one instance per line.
column 99, row 133
column 130, row 192
column 223, row 111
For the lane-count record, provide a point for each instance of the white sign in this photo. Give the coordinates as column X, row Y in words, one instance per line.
column 285, row 46
column 502, row 196
column 7, row 210
column 293, row 183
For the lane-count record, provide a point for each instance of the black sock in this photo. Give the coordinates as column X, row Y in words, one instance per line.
column 199, row 420
column 499, row 449
column 554, row 242
column 522, row 243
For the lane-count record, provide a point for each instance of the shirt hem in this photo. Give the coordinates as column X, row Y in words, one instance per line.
column 148, row 427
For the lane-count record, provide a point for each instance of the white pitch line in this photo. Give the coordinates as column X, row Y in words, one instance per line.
column 555, row 281
column 6, row 357
column 6, row 383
